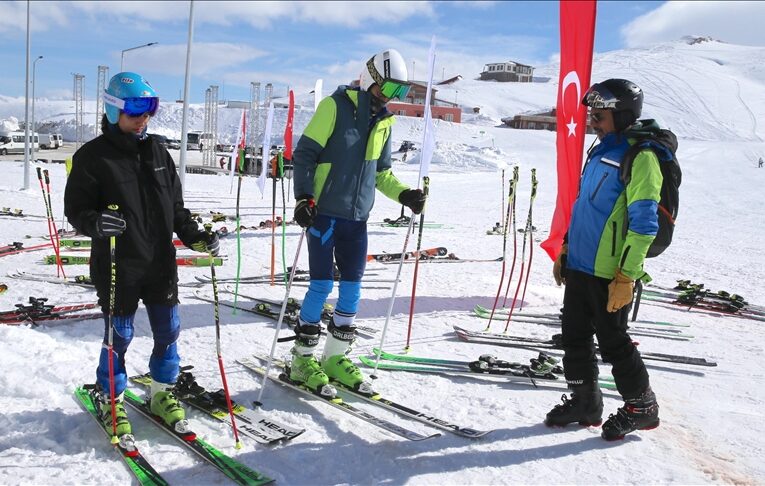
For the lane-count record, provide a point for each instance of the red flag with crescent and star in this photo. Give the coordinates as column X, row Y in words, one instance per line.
column 577, row 34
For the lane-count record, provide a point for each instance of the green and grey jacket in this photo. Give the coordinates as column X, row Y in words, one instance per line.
column 343, row 155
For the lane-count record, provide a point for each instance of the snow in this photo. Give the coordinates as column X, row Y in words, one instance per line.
column 712, row 428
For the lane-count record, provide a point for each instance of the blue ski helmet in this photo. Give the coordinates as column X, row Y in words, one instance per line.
column 130, row 93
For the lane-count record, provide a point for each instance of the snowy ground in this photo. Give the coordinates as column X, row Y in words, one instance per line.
column 712, row 425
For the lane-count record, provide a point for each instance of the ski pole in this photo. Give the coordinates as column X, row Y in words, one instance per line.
column 425, row 191
column 284, row 216
column 515, row 242
column 238, row 232
column 282, row 313
column 530, row 231
column 110, row 338
column 274, row 168
column 502, row 200
column 59, row 265
column 216, row 306
column 523, row 257
column 505, row 220
column 53, row 220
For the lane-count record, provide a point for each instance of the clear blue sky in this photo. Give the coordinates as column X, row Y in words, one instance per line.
column 294, row 43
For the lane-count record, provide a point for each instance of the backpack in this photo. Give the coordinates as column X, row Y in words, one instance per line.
column 664, row 144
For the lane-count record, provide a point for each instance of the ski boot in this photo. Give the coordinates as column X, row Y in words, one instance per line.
column 305, row 370
column 165, row 405
column 336, row 364
column 641, row 413
column 105, row 414
column 124, row 431
column 585, row 407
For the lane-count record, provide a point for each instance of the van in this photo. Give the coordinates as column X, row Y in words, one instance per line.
column 198, row 140
column 50, row 140
column 13, row 142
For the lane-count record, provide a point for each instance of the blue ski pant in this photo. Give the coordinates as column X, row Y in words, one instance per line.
column 163, row 364
column 335, row 241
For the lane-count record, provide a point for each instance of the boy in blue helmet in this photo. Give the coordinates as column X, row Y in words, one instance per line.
column 341, row 158
column 125, row 167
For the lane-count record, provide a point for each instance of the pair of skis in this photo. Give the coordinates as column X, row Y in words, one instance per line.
column 80, row 280
column 190, row 261
column 268, row 308
column 662, row 332
column 496, row 339
column 37, row 312
column 413, row 255
column 255, row 364
column 140, row 466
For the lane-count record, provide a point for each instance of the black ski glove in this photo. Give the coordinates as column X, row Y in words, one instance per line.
column 109, row 223
column 305, row 210
column 414, row 199
column 205, row 242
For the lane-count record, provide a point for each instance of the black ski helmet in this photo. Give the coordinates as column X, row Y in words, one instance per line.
column 623, row 97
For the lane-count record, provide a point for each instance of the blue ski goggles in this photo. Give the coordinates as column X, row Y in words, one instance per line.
column 134, row 106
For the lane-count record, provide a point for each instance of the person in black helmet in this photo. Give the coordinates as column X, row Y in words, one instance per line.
column 612, row 226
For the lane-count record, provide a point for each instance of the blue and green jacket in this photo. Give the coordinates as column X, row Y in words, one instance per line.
column 344, row 154
column 612, row 225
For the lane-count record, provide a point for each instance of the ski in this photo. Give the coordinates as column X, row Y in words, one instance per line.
column 555, row 321
column 55, row 318
column 335, row 401
column 193, row 261
column 386, row 403
column 80, row 280
column 450, row 258
column 386, row 257
column 137, row 463
column 482, row 311
column 17, row 247
column 252, row 423
column 236, row 471
column 528, row 342
column 269, row 309
column 71, row 243
column 290, row 316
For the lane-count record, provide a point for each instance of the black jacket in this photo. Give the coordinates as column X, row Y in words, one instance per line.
column 140, row 177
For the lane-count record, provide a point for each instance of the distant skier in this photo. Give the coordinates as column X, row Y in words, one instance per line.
column 343, row 155
column 612, row 227
column 124, row 166
column 760, row 163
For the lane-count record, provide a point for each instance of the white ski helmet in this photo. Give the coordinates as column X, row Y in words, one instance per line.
column 387, row 70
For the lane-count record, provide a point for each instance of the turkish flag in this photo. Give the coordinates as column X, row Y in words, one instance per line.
column 577, row 33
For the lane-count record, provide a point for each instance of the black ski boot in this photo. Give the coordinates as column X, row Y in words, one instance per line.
column 641, row 413
column 585, row 407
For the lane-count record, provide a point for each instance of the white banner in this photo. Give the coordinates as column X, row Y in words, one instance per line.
column 266, row 150
column 429, row 135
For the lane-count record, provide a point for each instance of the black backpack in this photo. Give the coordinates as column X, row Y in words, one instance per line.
column 664, row 144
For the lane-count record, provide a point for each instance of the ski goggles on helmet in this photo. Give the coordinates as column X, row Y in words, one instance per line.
column 134, row 106
column 600, row 97
column 390, row 88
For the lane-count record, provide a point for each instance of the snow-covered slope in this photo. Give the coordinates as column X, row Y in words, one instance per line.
column 711, row 428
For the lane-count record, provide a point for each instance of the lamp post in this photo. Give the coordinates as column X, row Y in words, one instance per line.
column 122, row 57
column 34, row 67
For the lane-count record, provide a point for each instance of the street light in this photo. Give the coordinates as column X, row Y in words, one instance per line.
column 122, row 57
column 34, row 67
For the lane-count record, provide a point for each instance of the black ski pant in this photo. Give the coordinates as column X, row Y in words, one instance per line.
column 585, row 315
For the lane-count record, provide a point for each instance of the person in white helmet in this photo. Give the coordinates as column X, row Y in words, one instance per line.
column 343, row 155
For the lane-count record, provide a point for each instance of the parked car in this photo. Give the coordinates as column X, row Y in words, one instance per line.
column 174, row 143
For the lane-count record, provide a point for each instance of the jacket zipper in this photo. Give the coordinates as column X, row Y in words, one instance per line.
column 600, row 184
column 613, row 238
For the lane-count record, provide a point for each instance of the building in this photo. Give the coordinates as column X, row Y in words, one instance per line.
column 414, row 105
column 544, row 120
column 509, row 71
